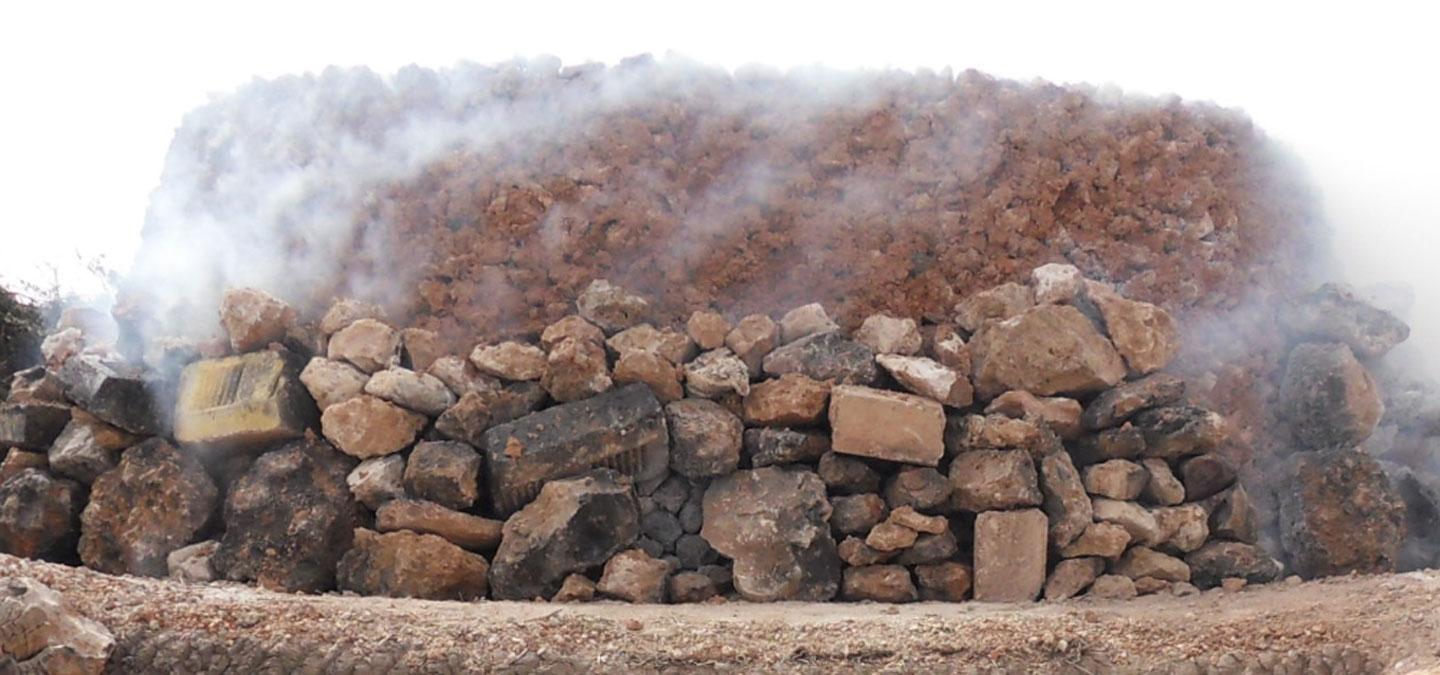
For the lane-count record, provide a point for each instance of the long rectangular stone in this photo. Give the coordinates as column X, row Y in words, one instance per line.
column 886, row 425
column 117, row 394
column 32, row 426
column 245, row 400
column 623, row 429
column 1010, row 555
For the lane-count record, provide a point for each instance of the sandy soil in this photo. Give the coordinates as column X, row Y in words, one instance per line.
column 1387, row 623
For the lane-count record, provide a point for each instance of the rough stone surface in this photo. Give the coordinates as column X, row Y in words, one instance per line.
column 994, row 479
column 847, row 475
column 856, row 514
column 35, row 385
column 1161, row 485
column 908, row 517
column 929, row 549
column 610, row 307
column 1328, row 398
column 888, row 335
column 949, row 348
column 717, row 373
column 1338, row 514
column 288, row 519
column 824, row 356
column 1117, row 479
column 1335, row 312
column 444, row 472
column 17, row 460
column 1144, row 334
column 1113, row 587
column 510, row 360
column 1116, row 405
column 1205, row 475
column 663, row 377
column 515, row 400
column 462, row 377
column 377, row 480
column 921, row 488
column 708, row 329
column 467, row 531
column 789, row 400
column 1072, row 576
column 705, row 438
column 409, row 565
column 575, row 588
column 856, row 553
column 1174, row 432
column 943, row 582
column 1010, row 551
column 1232, row 516
column 576, row 369
column 1103, row 539
column 1123, row 442
column 773, row 523
column 421, row 348
column 253, row 318
column 194, row 563
column 1065, row 501
column 998, row 432
column 345, row 311
column 1219, row 560
column 995, row 304
column 675, row 347
column 248, row 401
column 573, row 326
column 1056, row 283
column 804, row 321
column 1139, row 522
column 330, row 382
column 366, row 426
column 1139, row 562
column 366, row 344
column 39, row 514
column 752, row 338
column 878, row 583
column 32, row 426
column 116, row 393
column 1048, row 350
column 466, row 421
column 887, row 537
column 634, row 577
column 929, row 378
column 1421, row 546
column 1061, row 414
column 42, row 634
column 688, row 587
column 886, row 425
column 406, row 388
column 82, row 452
column 157, row 500
column 1183, row 528
column 770, row 446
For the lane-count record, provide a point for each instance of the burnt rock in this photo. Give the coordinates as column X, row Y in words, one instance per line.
column 378, row 480
column 994, row 479
column 1144, row 334
column 514, row 401
column 1116, row 405
column 1174, row 432
column 1065, row 501
column 770, row 446
column 1205, row 475
column 1072, row 576
column 1182, row 528
column 804, row 321
column 994, row 304
column 1328, row 398
column 576, row 369
column 366, row 344
column 856, row 553
column 1219, row 560
column 824, row 356
column 242, row 401
column 82, row 452
column 663, row 377
column 708, row 329
column 856, row 514
column 887, row 537
column 1161, row 485
column 1116, row 478
column 467, row 531
column 574, row 524
column 908, row 517
column 931, row 379
column 1123, row 442
column 39, row 515
column 634, row 577
column 575, row 588
column 717, row 373
column 1335, row 312
column 444, row 472
column 35, row 385
column 752, row 338
column 1232, row 516
column 847, row 475
column 289, row 518
column 32, row 426
column 886, row 425
column 466, row 421
column 1010, row 549
column 365, row 426
column 878, row 583
column 1338, row 514
column 157, row 500
column 662, row 526
column 253, row 318
column 1061, row 414
column 42, row 634
column 17, row 460
column 789, row 400
column 408, row 565
column 692, row 517
column 998, row 432
column 943, row 582
column 773, row 522
column 1047, row 350
column 887, row 335
column 920, row 487
column 610, row 307
column 416, row 391
column 1421, row 547
column 330, row 382
column 114, row 393
column 694, row 552
column 705, row 438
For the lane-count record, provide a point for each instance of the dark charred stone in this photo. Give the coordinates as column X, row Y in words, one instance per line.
column 1177, row 431
column 694, row 552
column 1421, row 546
column 652, row 548
column 444, row 472
column 409, row 565
column 1065, row 501
column 1335, row 312
column 705, row 438
column 514, row 400
column 922, row 488
column 1328, row 398
column 773, row 523
column 1232, row 516
column 692, row 517
column 289, row 519
column 1122, row 442
column 671, row 494
column 847, row 475
column 35, row 385
column 999, row 432
column 573, row 525
column 1206, row 475
column 929, row 549
column 824, row 356
column 115, row 394
column 856, row 514
column 1218, row 560
column 771, row 446
column 466, row 421
column 40, row 515
column 32, row 426
column 1338, row 514
column 662, row 526
column 83, row 451
column 1120, row 403
column 856, row 553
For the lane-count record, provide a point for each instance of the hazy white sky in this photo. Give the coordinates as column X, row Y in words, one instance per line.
column 94, row 92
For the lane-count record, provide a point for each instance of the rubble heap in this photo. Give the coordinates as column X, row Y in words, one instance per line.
column 1033, row 445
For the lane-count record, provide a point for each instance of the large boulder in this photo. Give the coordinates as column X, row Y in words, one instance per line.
column 1329, row 399
column 1334, row 312
column 773, row 522
column 573, row 525
column 1421, row 548
column 39, row 633
column 410, row 565
column 1010, row 548
column 1338, row 514
column 289, row 518
column 39, row 514
column 1046, row 350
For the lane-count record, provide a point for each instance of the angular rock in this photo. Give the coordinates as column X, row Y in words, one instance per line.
column 694, row 552
column 824, row 356
column 929, row 549
column 242, row 401
column 1205, row 475
column 878, row 583
column 886, row 425
column 1144, row 334
column 35, row 385
column 1010, row 555
column 43, row 635
column 366, row 344
column 331, row 382
column 469, row 532
column 1116, row 405
column 908, row 517
column 576, row 369
column 39, row 514
column 887, row 537
column 1338, row 514
column 789, row 400
column 157, row 500
column 366, row 426
column 1421, row 547
column 1139, row 562
column 515, row 361
column 707, row 329
column 1048, row 350
column 943, row 582
column 994, row 479
column 80, row 453
column 769, row 446
column 1183, row 528
column 117, row 394
column 610, row 307
column 888, row 335
column 575, row 588
column 1061, row 414
column 663, row 377
column 847, row 475
column 1151, row 585
column 857, row 514
column 1328, row 398
column 856, row 553
column 409, row 565
column 1232, row 516
column 572, row 326
column 1116, row 478
column 752, row 338
column 997, row 432
column 17, row 460
column 421, row 347
column 408, row 389
column 1072, row 576
column 677, row 348
column 343, row 312
column 689, row 587
column 634, row 577
column 289, row 519
column 996, row 304
column 1123, row 442
column 1335, row 312
column 253, row 318
column 922, row 488
column 1141, row 524
column 32, row 426
column 1219, row 560
column 193, row 564
column 1174, row 432
column 377, row 480
column 59, row 346
column 947, row 347
column 717, row 373
column 929, row 378
column 515, row 400
column 444, row 472
column 465, row 421
column 773, row 523
column 1065, row 501
column 705, row 438
column 1103, row 539
column 462, row 377
column 1161, row 485
column 804, row 321
column 1056, row 283
column 1113, row 587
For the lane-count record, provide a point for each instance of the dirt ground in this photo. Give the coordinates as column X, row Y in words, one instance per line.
column 1388, row 623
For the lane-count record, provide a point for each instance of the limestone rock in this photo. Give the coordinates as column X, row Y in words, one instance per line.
column 1117, row 479
column 409, row 565
column 707, row 329
column 943, row 582
column 789, row 400
column 1048, row 350
column 804, row 321
column 886, row 425
column 1232, row 516
column 377, row 480
column 1056, row 283
column 994, row 479
column 253, row 318
column 1113, row 587
column 1137, row 521
column 193, row 564
column 770, row 446
column 1061, row 414
column 1144, row 334
column 1338, row 514
column 330, row 382
column 1116, row 405
column 59, row 346
column 462, row 377
column 996, row 304
column 1139, row 562
column 929, row 378
column 1103, row 539
column 921, row 488
column 752, row 338
column 886, row 537
column 856, row 553
column 888, row 335
column 1219, row 560
column 1010, row 551
column 575, row 588
column 408, row 389
column 675, row 347
column 1072, row 576
column 366, row 426
column 1161, row 485
column 39, row 514
column 1335, row 312
column 572, row 326
column 343, row 312
column 773, row 523
column 576, row 369
column 610, row 307
column 366, row 344
column 1183, row 528
column 634, row 577
column 878, row 583
column 515, row 361
column 35, row 385
column 84, row 450
column 421, row 348
column 824, row 356
column 1328, row 398
column 1065, row 501
column 17, row 460
column 689, row 587
column 716, row 373
column 444, row 472
column 908, row 517
column 663, row 377
column 950, row 350
column 43, row 635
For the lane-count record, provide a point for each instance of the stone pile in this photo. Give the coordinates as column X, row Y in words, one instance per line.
column 1030, row 446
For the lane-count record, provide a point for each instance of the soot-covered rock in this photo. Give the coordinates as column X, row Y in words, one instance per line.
column 409, row 565
column 1338, row 513
column 1177, row 431
column 1065, row 501
column 773, row 522
column 39, row 514
column 920, row 487
column 1329, row 399
column 847, row 475
column 444, row 472
column 1118, row 404
column 770, row 446
column 824, row 356
column 1205, row 475
column 115, row 393
column 1219, row 560
column 1421, row 547
column 32, row 426
column 705, row 438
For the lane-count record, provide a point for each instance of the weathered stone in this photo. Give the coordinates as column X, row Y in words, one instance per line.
column 331, row 382
column 1328, row 398
column 705, row 438
column 465, row 421
column 1056, row 283
column 1072, row 576
column 444, row 472
column 289, row 519
column 1061, row 414
column 167, row 354
column 39, row 514
column 1161, row 485
column 888, row 335
column 790, row 400
column 908, row 517
column 856, row 514
column 35, row 385
column 366, row 426
column 409, row 565
column 1048, row 350
column 242, row 401
column 634, row 577
column 1205, row 475
column 377, row 480
column 43, row 635
column 366, row 344
column 1140, row 562
column 421, row 348
column 516, row 361
column 886, row 537
column 1335, row 312
column 694, row 552
column 1116, row 405
column 344, row 311
column 878, row 583
column 943, row 582
column 769, row 446
column 1174, row 432
column 157, row 500
column 847, row 475
column 1139, row 522
column 804, row 321
column 886, row 425
column 1106, row 540
column 652, row 548
column 994, row 479
column 997, row 432
column 572, row 326
column 253, row 318
column 116, row 394
column 1065, row 501
column 1122, row 442
column 773, row 523
column 576, row 369
column 1181, row 589
column 949, row 348
column 1117, row 479
column 923, row 488
column 707, row 329
column 929, row 378
column 929, row 549
column 1232, row 516
column 1144, row 334
column 717, row 373
column 1113, row 587
column 462, row 377
column 81, row 454
column 17, row 460
column 1151, row 585
column 573, row 525
column 824, row 356
column 1183, row 528
column 1219, row 560
column 996, row 304
column 469, row 532
column 690, row 587
column 663, row 377
column 1010, row 555
column 59, row 346
column 515, row 400
column 856, row 553
column 1421, row 547
column 1338, row 514
column 610, row 307
column 193, row 564
column 752, row 338
column 575, row 588
column 408, row 389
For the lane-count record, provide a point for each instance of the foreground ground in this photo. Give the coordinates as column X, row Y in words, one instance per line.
column 1355, row 624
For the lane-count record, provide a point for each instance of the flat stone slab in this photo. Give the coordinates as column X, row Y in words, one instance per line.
column 886, row 425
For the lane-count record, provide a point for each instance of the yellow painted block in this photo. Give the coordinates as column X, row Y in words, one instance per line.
column 249, row 399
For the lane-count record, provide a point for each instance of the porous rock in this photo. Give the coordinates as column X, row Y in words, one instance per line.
column 708, row 329
column 576, row 369
column 515, row 361
column 1047, row 350
column 573, row 326
column 847, row 475
column 856, row 514
column 1232, row 515
column 1116, row 405
column 1117, row 479
column 466, row 421
column 943, row 582
column 377, row 480
column 1061, row 414
column 1161, row 485
column 330, row 382
column 1338, row 513
column 888, row 335
column 769, row 446
column 824, row 356
column 688, row 587
column 1177, row 431
column 1205, row 475
column 752, row 338
column 86, row 449
column 366, row 344
column 717, row 373
column 1220, row 560
column 994, row 479
column 253, row 318
column 1065, row 501
column 928, row 378
column 39, row 514
column 1335, row 312
column 663, row 377
column 789, row 400
column 610, row 307
column 773, row 522
column 42, row 634
column 995, row 304
column 705, row 438
column 462, row 377
column 1056, row 283
column 804, row 321
column 1328, row 398
column 444, row 472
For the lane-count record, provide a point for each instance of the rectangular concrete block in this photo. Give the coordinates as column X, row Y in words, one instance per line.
column 1010, row 549
column 32, row 426
column 245, row 400
column 886, row 425
column 623, row 429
